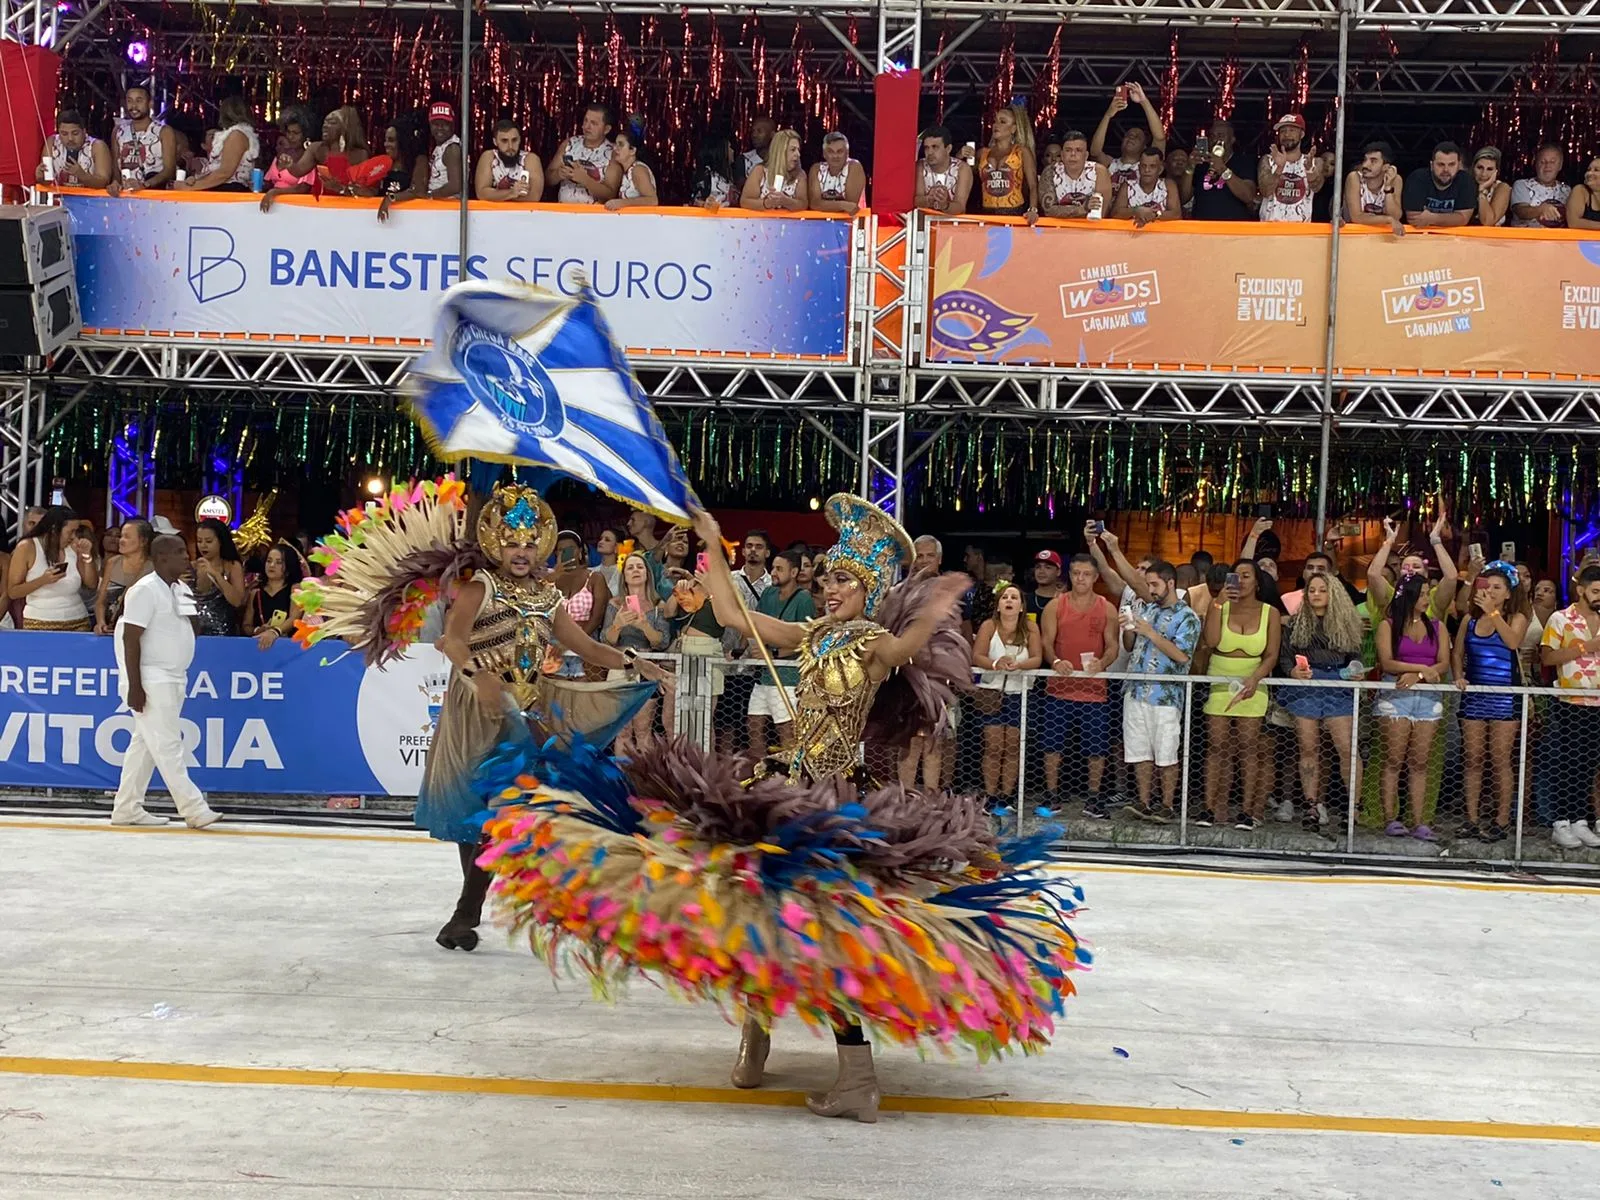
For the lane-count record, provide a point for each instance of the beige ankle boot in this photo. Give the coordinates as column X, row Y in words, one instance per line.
column 855, row 1092
column 754, row 1042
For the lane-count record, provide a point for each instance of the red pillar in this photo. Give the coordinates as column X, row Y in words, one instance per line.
column 28, row 82
column 894, row 146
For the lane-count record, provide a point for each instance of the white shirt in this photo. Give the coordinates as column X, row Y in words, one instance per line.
column 139, row 152
column 58, row 601
column 82, row 158
column 832, row 186
column 628, row 189
column 596, row 158
column 753, row 159
column 940, row 186
column 247, row 160
column 1121, row 172
column 1531, row 191
column 438, row 173
column 1155, row 198
column 502, row 176
column 791, row 184
column 1292, row 199
column 166, row 647
column 1010, row 682
column 1066, row 190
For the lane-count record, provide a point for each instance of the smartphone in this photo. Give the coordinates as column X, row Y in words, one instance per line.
column 634, row 604
column 59, row 568
column 1475, row 552
column 1264, row 510
column 777, row 183
column 1508, row 551
column 1122, row 92
column 1099, row 527
column 568, row 554
column 1348, row 530
column 1233, row 581
column 1202, row 146
column 1301, row 663
column 567, row 159
column 702, row 564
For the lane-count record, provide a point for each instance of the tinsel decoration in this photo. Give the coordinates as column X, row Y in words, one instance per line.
column 1300, row 87
column 1002, row 87
column 941, row 75
column 1169, row 83
column 1045, row 100
column 1227, row 86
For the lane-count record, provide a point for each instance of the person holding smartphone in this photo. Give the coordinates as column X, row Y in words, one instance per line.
column 584, row 593
column 49, row 572
column 634, row 622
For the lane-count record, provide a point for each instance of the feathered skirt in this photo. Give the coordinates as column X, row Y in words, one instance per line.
column 831, row 901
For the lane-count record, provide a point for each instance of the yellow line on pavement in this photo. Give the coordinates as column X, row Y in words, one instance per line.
column 655, row 1093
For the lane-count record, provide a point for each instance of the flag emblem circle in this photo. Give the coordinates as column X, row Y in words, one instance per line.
column 507, row 380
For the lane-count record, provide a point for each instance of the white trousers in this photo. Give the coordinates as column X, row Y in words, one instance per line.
column 157, row 745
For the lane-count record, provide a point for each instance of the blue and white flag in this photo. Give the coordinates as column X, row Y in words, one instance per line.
column 521, row 375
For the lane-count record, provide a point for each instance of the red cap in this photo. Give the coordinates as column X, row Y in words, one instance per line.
column 1294, row 119
column 442, row 110
column 1049, row 556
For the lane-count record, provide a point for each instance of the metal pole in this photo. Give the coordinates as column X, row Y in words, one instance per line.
column 466, row 125
column 1022, row 751
column 1356, row 777
column 1183, row 779
column 1522, row 783
column 1337, row 183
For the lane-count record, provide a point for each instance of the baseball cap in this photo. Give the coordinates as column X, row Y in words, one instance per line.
column 163, row 526
column 442, row 110
column 1048, row 556
column 1294, row 119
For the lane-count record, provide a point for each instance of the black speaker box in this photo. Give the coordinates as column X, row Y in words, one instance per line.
column 37, row 322
column 35, row 245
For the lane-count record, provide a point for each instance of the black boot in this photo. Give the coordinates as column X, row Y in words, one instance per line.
column 460, row 932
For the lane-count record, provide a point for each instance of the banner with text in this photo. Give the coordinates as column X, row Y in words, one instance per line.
column 275, row 722
column 1115, row 296
column 1478, row 302
column 666, row 282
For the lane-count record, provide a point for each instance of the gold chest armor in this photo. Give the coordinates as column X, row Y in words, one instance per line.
column 834, row 697
column 513, row 632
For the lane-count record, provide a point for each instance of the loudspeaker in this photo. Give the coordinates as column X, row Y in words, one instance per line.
column 35, row 245
column 37, row 322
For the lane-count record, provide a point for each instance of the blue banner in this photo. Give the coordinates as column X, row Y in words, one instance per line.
column 279, row 721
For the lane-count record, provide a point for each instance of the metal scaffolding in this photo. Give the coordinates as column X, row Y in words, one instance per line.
column 900, row 401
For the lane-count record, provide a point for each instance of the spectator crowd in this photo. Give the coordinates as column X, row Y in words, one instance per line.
column 1135, row 171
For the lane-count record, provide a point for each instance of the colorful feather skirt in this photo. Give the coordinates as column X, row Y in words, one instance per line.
column 833, row 903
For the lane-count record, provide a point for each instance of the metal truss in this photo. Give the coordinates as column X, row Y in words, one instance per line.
column 314, row 374
column 30, row 407
column 1552, row 17
column 1399, row 408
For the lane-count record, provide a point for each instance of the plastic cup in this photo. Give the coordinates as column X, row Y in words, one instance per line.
column 181, row 175
column 1355, row 669
column 1088, row 658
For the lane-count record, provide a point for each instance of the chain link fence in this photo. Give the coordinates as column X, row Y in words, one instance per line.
column 1431, row 771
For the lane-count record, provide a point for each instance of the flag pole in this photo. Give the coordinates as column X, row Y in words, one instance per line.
column 766, row 654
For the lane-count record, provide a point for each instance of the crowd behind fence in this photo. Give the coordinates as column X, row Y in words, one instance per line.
column 1345, row 794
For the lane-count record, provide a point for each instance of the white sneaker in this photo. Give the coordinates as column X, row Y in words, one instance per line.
column 1284, row 812
column 1322, row 814
column 1561, row 834
column 1584, row 834
column 205, row 820
column 150, row 818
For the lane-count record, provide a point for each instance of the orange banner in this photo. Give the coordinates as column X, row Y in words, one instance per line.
column 1483, row 302
column 1109, row 295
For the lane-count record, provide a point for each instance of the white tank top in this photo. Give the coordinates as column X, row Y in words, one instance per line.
column 597, row 157
column 1292, row 200
column 790, row 185
column 139, row 152
column 82, row 158
column 501, row 175
column 247, row 160
column 1155, row 197
column 1123, row 172
column 1004, row 681
column 832, row 186
column 629, row 190
column 438, row 173
column 1068, row 190
column 1371, row 202
column 58, row 601
column 945, row 180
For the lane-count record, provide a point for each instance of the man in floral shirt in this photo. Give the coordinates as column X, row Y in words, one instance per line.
column 1571, row 747
column 1161, row 631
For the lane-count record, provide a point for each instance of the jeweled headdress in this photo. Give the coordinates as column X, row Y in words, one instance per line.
column 516, row 516
column 872, row 546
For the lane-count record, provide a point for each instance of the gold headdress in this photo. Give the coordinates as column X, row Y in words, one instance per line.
column 872, row 546
column 516, row 516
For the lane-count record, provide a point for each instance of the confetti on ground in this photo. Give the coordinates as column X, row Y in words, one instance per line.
column 1119, row 1052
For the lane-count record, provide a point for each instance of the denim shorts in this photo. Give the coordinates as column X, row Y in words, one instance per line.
column 1009, row 713
column 1092, row 720
column 1408, row 704
column 1316, row 703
